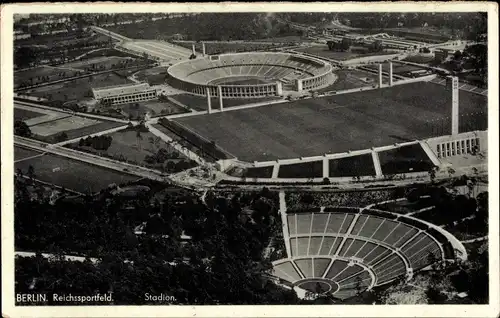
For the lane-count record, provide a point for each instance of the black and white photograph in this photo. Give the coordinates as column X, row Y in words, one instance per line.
column 256, row 155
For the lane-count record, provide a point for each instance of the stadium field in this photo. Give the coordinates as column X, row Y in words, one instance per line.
column 72, row 174
column 335, row 123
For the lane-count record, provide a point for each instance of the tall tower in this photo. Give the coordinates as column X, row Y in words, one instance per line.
column 453, row 82
column 380, row 76
column 209, row 100
column 390, row 74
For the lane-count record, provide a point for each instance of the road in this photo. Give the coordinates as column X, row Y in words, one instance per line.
column 92, row 116
column 113, row 35
column 92, row 159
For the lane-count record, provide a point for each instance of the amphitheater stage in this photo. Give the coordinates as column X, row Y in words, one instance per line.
column 339, row 123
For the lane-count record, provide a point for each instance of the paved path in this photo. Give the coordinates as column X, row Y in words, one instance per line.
column 113, row 35
column 284, row 221
column 186, row 152
column 479, row 239
column 100, row 133
column 93, row 116
column 93, row 159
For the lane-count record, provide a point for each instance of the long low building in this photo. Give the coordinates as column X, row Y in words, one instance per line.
column 123, row 94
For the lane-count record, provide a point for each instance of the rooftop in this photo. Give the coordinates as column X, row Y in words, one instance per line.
column 120, row 90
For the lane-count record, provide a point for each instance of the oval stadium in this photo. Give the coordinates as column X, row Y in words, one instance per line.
column 250, row 75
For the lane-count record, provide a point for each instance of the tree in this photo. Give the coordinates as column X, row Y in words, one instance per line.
column 22, row 129
column 457, row 55
column 376, row 46
column 434, row 295
column 25, row 57
column 345, row 44
column 61, row 137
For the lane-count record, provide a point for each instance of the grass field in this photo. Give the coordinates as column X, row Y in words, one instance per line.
column 24, row 114
column 312, row 169
column 396, row 68
column 332, row 124
column 352, row 166
column 78, row 89
column 154, row 107
column 421, row 59
column 34, row 76
column 153, row 76
column 73, row 126
column 200, row 103
column 97, row 62
column 21, row 153
column 126, row 146
column 347, row 79
column 404, row 160
column 73, row 174
column 323, row 51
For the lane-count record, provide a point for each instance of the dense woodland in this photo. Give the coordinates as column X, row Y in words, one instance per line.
column 224, row 262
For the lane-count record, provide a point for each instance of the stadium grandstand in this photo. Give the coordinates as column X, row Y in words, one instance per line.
column 250, row 75
column 344, row 251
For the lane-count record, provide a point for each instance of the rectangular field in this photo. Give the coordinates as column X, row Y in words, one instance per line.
column 348, row 79
column 333, row 124
column 78, row 89
column 60, row 125
column 25, row 114
column 72, row 174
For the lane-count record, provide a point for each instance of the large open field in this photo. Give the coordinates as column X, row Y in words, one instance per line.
column 153, row 107
column 333, row 124
column 106, row 62
column 35, row 75
column 46, row 124
column 78, row 89
column 397, row 68
column 347, row 79
column 72, row 174
column 21, row 153
column 153, row 76
column 127, row 146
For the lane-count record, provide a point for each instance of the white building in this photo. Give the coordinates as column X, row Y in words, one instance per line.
column 124, row 94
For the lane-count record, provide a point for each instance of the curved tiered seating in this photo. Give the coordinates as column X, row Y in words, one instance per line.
column 256, row 64
column 351, row 249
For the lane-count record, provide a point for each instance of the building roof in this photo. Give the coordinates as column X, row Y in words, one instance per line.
column 118, row 90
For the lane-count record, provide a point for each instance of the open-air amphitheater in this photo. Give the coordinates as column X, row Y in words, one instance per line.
column 344, row 251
